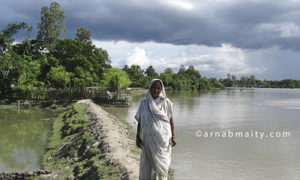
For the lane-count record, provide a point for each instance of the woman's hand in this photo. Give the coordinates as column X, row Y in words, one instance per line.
column 173, row 139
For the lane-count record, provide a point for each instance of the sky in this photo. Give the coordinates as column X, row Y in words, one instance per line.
column 217, row 37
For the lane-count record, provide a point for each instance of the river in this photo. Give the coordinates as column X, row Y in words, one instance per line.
column 23, row 137
column 275, row 113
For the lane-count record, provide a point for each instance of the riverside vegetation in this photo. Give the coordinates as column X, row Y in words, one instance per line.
column 71, row 150
column 53, row 61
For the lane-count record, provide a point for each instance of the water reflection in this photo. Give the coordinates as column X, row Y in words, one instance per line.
column 22, row 138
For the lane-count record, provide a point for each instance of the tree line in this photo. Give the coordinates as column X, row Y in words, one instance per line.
column 251, row 81
column 52, row 61
column 184, row 79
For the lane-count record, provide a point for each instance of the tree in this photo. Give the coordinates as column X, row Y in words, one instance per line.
column 10, row 67
column 10, row 62
column 181, row 69
column 28, row 77
column 59, row 77
column 50, row 61
column 52, row 25
column 227, row 82
column 83, row 35
column 6, row 34
column 216, row 84
column 73, row 54
column 116, row 79
column 204, row 84
column 136, row 75
column 83, row 78
column 150, row 72
column 169, row 70
column 244, row 81
column 192, row 74
column 252, row 80
column 167, row 77
column 234, row 81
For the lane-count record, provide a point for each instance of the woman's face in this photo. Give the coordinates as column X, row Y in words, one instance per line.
column 156, row 89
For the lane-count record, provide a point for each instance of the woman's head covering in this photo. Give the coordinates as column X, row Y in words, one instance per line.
column 163, row 93
column 153, row 108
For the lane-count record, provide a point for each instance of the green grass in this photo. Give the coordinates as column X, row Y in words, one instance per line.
column 80, row 161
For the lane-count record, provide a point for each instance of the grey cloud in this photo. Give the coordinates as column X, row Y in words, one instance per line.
column 136, row 21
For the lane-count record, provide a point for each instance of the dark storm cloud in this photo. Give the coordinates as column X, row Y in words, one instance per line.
column 240, row 23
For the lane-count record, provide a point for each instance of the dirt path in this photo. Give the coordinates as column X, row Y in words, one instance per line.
column 114, row 136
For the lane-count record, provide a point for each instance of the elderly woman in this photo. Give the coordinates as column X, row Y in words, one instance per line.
column 155, row 132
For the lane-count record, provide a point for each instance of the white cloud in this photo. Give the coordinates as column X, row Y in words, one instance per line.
column 220, row 60
column 178, row 4
column 138, row 57
column 215, row 61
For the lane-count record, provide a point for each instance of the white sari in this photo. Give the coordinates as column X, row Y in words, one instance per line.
column 155, row 133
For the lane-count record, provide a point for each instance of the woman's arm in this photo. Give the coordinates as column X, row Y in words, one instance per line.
column 138, row 139
column 173, row 132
